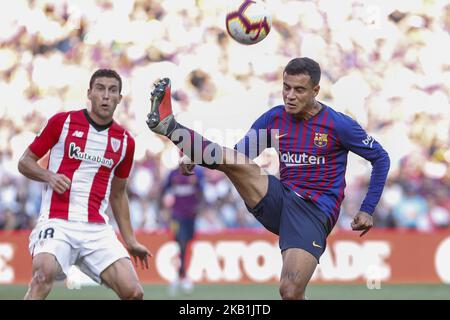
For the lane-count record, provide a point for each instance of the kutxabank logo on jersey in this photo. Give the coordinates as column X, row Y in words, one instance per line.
column 76, row 153
column 297, row 159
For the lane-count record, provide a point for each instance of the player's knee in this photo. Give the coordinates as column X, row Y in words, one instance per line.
column 134, row 293
column 289, row 291
column 138, row 293
column 42, row 279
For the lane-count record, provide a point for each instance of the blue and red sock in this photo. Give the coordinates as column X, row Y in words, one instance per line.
column 199, row 149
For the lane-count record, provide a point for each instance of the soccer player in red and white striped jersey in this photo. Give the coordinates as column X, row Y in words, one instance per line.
column 90, row 159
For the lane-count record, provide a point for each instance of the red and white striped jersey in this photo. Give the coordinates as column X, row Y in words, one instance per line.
column 89, row 157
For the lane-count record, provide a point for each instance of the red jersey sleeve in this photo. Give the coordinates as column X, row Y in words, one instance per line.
column 124, row 167
column 49, row 135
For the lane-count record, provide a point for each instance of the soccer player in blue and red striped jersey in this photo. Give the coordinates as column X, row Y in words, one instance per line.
column 312, row 141
column 188, row 194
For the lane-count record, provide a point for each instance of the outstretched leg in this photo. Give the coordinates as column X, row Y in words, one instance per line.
column 246, row 177
column 243, row 172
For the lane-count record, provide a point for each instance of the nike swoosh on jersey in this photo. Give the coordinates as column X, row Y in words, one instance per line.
column 280, row 136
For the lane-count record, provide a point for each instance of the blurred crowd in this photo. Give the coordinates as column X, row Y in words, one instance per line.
column 385, row 63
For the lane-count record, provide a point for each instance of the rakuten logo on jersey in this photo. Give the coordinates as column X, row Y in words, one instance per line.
column 76, row 153
column 292, row 159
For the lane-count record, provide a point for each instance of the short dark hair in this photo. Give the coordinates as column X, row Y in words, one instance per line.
column 108, row 73
column 304, row 66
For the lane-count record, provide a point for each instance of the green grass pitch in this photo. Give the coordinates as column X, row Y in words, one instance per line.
column 246, row 292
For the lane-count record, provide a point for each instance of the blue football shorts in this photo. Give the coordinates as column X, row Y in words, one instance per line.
column 185, row 228
column 298, row 222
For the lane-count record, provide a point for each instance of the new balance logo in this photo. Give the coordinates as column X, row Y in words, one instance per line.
column 316, row 245
column 78, row 134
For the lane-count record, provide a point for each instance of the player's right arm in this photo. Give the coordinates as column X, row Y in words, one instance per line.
column 29, row 167
column 44, row 141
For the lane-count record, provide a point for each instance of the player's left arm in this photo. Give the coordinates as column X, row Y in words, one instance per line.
column 121, row 210
column 355, row 139
column 163, row 214
column 119, row 204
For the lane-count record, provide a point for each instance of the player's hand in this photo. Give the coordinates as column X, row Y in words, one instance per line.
column 59, row 182
column 362, row 221
column 186, row 166
column 139, row 251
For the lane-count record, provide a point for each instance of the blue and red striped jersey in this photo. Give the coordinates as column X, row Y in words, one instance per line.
column 313, row 155
column 187, row 190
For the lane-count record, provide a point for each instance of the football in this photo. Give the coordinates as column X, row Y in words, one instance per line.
column 248, row 22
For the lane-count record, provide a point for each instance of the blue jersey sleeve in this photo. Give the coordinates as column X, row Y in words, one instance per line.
column 257, row 138
column 356, row 140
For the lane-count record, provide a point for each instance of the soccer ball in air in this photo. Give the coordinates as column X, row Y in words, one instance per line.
column 248, row 21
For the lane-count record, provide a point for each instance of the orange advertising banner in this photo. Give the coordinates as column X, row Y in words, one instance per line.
column 246, row 256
